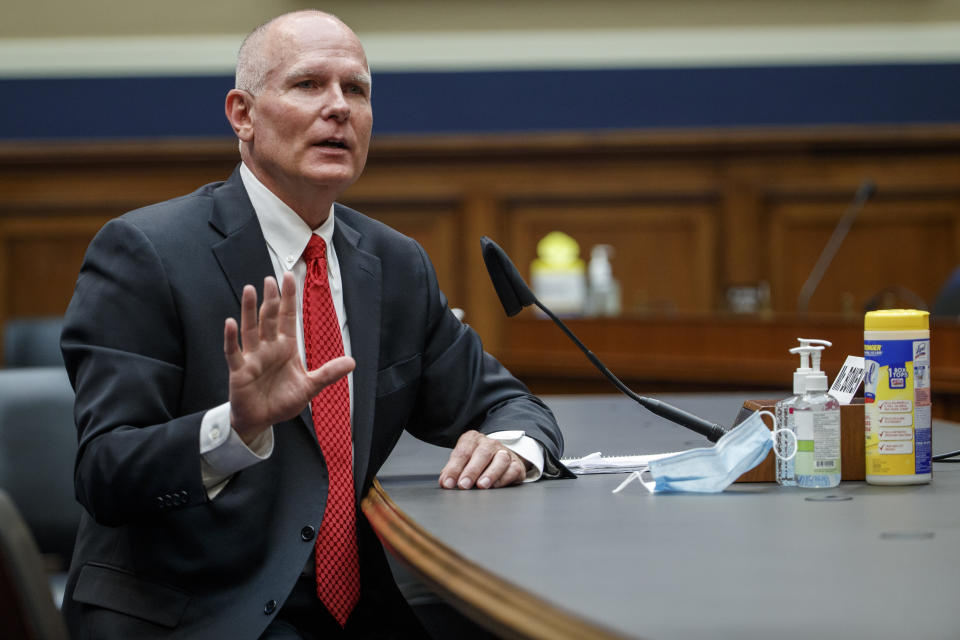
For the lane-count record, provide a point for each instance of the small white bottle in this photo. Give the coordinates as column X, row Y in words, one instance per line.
column 603, row 291
column 817, row 419
column 784, row 413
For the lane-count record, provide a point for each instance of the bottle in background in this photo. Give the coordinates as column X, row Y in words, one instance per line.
column 603, row 290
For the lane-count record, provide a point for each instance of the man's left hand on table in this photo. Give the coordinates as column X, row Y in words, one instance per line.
column 482, row 462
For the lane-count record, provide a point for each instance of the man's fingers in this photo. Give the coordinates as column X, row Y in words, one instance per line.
column 288, row 305
column 269, row 310
column 499, row 464
column 483, row 451
column 480, row 459
column 330, row 372
column 514, row 474
column 249, row 333
column 459, row 457
column 231, row 349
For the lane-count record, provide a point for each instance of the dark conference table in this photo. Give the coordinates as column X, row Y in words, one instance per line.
column 568, row 559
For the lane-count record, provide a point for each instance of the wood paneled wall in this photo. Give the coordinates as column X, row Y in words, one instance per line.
column 688, row 213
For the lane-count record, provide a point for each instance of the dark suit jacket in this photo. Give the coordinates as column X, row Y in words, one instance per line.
column 143, row 342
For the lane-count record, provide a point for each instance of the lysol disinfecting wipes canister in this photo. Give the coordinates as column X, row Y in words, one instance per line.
column 897, row 421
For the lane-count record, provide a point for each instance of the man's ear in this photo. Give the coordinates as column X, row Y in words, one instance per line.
column 238, row 107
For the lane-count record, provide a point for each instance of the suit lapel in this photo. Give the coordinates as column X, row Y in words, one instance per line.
column 360, row 273
column 242, row 253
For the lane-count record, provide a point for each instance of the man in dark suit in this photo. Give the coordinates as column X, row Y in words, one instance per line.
column 208, row 485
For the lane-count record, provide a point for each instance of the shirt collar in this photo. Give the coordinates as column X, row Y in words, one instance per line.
column 285, row 232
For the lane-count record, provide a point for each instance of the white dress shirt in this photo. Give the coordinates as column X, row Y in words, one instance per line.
column 223, row 452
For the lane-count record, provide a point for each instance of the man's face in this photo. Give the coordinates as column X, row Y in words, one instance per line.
column 311, row 122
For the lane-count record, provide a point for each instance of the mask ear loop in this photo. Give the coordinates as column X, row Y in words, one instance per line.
column 636, row 475
column 776, row 432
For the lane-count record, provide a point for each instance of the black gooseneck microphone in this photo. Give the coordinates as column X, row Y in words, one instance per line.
column 514, row 295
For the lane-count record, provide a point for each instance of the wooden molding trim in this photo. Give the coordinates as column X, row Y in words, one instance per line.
column 705, row 348
column 685, row 140
column 490, row 601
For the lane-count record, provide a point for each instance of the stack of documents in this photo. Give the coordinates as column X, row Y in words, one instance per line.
column 597, row 463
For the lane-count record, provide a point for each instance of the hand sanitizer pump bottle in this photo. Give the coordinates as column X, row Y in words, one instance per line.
column 817, row 419
column 603, row 296
column 785, row 420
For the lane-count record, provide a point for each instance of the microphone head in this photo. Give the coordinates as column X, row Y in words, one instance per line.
column 513, row 292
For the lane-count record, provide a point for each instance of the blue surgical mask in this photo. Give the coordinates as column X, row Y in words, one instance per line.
column 713, row 469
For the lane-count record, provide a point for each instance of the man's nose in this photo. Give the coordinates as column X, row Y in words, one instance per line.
column 335, row 104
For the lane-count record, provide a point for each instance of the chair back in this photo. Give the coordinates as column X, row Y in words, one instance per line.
column 38, row 446
column 26, row 606
column 32, row 342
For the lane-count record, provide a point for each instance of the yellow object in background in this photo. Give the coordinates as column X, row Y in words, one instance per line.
column 558, row 274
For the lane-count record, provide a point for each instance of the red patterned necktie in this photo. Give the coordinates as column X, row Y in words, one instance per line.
column 338, row 566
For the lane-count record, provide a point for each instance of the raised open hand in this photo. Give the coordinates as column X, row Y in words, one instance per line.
column 268, row 382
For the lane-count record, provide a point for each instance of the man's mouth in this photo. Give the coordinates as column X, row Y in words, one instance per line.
column 333, row 143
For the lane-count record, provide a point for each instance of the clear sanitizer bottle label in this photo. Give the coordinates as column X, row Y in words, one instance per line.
column 818, row 447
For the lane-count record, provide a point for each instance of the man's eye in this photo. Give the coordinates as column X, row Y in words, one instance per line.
column 304, row 84
column 357, row 89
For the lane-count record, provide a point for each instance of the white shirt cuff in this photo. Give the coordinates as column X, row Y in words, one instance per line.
column 222, row 451
column 525, row 447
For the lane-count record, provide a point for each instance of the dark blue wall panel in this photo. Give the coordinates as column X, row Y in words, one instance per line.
column 558, row 100
column 113, row 107
column 510, row 101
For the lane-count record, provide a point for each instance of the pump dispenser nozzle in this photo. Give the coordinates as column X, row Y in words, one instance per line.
column 806, row 342
column 812, row 348
column 816, row 379
column 804, row 370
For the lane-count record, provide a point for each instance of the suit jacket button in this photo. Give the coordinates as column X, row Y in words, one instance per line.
column 270, row 607
column 160, row 502
column 167, row 500
column 185, row 496
column 307, row 533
